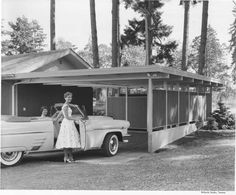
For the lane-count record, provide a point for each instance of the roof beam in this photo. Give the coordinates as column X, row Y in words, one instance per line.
column 187, row 79
column 175, row 78
column 84, row 84
column 198, row 81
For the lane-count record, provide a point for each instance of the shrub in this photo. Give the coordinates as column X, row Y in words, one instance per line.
column 221, row 118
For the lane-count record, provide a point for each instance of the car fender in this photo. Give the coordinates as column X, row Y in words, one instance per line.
column 26, row 136
column 96, row 138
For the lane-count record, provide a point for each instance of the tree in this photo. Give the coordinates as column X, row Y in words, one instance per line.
column 24, row 37
column 133, row 56
column 186, row 32
column 115, row 32
column 134, row 33
column 215, row 62
column 104, row 54
column 4, row 42
column 201, row 69
column 94, row 34
column 233, row 42
column 52, row 25
column 63, row 44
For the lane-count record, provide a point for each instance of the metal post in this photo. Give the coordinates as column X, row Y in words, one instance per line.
column 188, row 103
column 126, row 103
column 166, row 89
column 13, row 103
column 178, row 103
column 107, row 102
column 210, row 99
column 150, row 113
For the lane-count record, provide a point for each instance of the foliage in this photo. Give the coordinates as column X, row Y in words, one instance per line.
column 221, row 118
column 104, row 54
column 63, row 44
column 130, row 56
column 216, row 65
column 192, row 1
column 211, row 124
column 233, row 42
column 134, row 33
column 24, row 37
column 133, row 56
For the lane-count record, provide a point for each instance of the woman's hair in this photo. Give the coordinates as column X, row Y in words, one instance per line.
column 67, row 94
column 43, row 107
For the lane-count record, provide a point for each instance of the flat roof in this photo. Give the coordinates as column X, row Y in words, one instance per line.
column 116, row 77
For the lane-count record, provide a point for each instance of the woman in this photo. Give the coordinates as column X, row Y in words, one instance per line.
column 44, row 111
column 68, row 137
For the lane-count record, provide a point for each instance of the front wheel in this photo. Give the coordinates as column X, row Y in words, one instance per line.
column 110, row 145
column 10, row 158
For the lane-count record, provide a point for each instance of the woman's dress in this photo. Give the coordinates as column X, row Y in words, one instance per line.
column 68, row 135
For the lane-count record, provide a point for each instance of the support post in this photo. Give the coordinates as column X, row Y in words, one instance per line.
column 166, row 89
column 205, row 105
column 210, row 99
column 126, row 103
column 178, row 86
column 13, row 103
column 189, row 104
column 107, row 101
column 150, row 114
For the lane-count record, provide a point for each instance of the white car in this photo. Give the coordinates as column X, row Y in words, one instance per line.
column 23, row 135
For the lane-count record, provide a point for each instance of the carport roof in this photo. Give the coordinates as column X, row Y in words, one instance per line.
column 115, row 77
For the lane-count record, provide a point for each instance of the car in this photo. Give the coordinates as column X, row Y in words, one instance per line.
column 24, row 135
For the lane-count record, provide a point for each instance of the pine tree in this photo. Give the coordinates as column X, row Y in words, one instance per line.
column 233, row 42
column 202, row 51
column 24, row 37
column 134, row 33
column 94, row 34
column 52, row 25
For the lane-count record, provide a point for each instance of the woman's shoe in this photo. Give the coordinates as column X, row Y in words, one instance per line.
column 67, row 160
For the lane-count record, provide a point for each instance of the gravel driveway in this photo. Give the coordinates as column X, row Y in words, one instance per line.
column 200, row 163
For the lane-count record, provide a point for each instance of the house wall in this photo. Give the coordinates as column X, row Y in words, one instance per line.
column 31, row 97
column 137, row 110
column 192, row 106
column 60, row 64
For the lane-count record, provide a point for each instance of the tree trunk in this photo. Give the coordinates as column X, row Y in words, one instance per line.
column 202, row 50
column 185, row 35
column 114, row 33
column 148, row 37
column 52, row 25
column 118, row 34
column 94, row 34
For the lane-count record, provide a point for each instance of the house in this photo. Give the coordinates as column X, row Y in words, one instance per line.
column 172, row 103
column 26, row 100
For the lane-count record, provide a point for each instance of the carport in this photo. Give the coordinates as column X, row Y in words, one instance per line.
column 173, row 102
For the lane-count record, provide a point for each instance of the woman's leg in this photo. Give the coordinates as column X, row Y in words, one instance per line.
column 66, row 156
column 70, row 154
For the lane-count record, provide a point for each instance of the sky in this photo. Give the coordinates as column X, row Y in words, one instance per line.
column 73, row 18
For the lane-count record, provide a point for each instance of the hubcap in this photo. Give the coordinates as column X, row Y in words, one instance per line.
column 113, row 144
column 9, row 156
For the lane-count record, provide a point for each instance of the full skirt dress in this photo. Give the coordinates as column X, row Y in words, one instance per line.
column 68, row 135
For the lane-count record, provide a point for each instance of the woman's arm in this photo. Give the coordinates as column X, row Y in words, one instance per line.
column 57, row 115
column 73, row 105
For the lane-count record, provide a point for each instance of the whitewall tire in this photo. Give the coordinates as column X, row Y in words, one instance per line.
column 8, row 159
column 111, row 145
